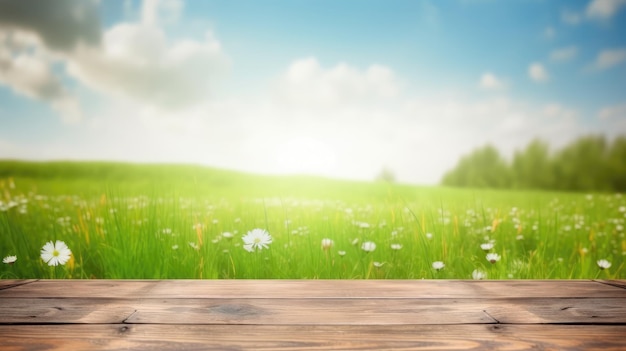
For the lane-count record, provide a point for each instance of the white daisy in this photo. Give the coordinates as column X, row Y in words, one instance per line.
column 256, row 239
column 55, row 253
column 363, row 225
column 478, row 274
column 438, row 265
column 486, row 246
column 9, row 259
column 396, row 246
column 604, row 264
column 368, row 246
column 493, row 257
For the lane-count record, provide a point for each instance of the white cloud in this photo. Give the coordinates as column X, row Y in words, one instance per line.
column 137, row 62
column 9, row 150
column 604, row 9
column 537, row 72
column 570, row 17
column 611, row 120
column 596, row 10
column 306, row 82
column 609, row 58
column 614, row 112
column 69, row 109
column 27, row 71
column 564, row 54
column 489, row 81
column 24, row 150
column 558, row 111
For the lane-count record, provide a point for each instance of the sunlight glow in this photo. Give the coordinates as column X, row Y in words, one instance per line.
column 305, row 155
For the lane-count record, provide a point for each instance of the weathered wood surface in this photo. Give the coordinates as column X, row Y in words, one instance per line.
column 373, row 311
column 291, row 289
column 347, row 337
column 312, row 314
column 9, row 283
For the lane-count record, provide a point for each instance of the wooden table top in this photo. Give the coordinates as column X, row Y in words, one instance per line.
column 312, row 314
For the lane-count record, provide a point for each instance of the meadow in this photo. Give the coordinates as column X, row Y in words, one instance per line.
column 171, row 221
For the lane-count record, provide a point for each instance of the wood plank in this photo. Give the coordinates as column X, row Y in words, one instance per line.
column 240, row 311
column 227, row 337
column 82, row 310
column 380, row 311
column 556, row 310
column 384, row 289
column 10, row 283
column 309, row 312
column 314, row 288
column 314, row 311
column 60, row 288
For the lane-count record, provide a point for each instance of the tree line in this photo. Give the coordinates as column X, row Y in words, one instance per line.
column 590, row 163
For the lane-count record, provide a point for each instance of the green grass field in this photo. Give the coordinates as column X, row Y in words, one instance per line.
column 160, row 221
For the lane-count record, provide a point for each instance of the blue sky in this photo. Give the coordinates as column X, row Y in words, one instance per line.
column 335, row 88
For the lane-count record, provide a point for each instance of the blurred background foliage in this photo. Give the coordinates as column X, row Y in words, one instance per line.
column 589, row 163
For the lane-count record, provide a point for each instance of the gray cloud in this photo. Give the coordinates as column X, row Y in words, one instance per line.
column 136, row 62
column 131, row 61
column 60, row 24
column 27, row 71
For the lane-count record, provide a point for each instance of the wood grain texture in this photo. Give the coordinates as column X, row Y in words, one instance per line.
column 313, row 311
column 80, row 288
column 286, row 289
column 312, row 314
column 10, row 283
column 68, row 311
column 382, row 311
column 350, row 337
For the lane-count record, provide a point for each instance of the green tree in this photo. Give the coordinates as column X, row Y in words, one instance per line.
column 582, row 165
column 616, row 160
column 532, row 168
column 483, row 168
column 588, row 163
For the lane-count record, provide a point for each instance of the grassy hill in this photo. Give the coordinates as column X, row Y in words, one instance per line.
column 95, row 178
column 188, row 180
